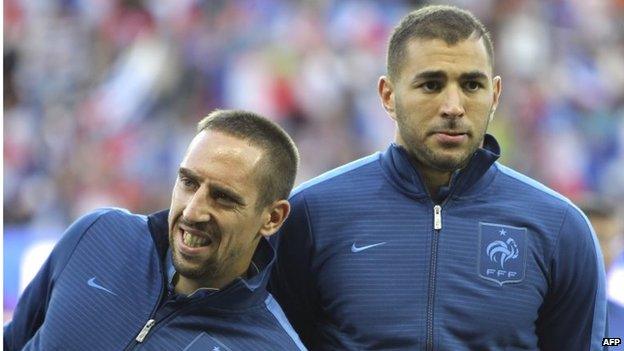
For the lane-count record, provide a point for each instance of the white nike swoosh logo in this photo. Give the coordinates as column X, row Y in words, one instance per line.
column 362, row 248
column 91, row 282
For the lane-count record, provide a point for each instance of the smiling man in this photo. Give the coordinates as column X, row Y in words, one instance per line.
column 190, row 278
column 432, row 244
column 217, row 215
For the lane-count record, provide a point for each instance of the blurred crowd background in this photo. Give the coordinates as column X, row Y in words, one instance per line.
column 101, row 98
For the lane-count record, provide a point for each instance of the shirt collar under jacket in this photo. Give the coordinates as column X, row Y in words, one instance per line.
column 470, row 180
column 241, row 293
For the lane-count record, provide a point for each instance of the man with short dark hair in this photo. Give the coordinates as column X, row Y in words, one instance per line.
column 190, row 278
column 432, row 244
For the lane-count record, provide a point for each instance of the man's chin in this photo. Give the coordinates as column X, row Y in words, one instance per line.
column 189, row 267
column 192, row 272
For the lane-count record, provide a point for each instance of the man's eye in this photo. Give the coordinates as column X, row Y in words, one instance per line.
column 472, row 85
column 223, row 197
column 187, row 183
column 431, row 86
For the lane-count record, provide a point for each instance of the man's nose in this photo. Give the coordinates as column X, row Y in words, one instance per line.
column 198, row 208
column 452, row 106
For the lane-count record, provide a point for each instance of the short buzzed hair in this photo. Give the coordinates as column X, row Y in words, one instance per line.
column 447, row 23
column 278, row 169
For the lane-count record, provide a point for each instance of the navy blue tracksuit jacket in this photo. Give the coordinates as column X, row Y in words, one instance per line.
column 107, row 286
column 368, row 260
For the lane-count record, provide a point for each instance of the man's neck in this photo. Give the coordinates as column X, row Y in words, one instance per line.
column 433, row 179
column 236, row 269
column 187, row 286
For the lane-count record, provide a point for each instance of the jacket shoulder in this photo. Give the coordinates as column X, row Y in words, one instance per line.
column 518, row 183
column 116, row 220
column 340, row 176
column 117, row 213
column 99, row 220
column 105, row 214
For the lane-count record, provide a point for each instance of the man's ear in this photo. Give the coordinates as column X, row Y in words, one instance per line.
column 274, row 216
column 386, row 93
column 497, row 88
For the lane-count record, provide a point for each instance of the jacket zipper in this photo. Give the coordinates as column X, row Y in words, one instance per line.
column 158, row 320
column 437, row 217
column 437, row 226
column 143, row 333
column 151, row 321
column 152, row 324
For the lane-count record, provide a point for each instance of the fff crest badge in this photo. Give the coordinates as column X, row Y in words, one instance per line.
column 502, row 253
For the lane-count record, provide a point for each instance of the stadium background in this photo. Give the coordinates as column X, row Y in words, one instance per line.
column 101, row 97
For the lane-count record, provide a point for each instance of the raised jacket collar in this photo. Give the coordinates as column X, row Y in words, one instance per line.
column 241, row 293
column 470, row 180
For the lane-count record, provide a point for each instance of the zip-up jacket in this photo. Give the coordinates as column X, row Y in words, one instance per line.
column 367, row 260
column 107, row 286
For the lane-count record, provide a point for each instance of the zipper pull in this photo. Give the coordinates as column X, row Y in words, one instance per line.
column 145, row 330
column 437, row 217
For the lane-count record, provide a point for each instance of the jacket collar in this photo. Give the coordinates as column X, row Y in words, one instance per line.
column 470, row 180
column 241, row 293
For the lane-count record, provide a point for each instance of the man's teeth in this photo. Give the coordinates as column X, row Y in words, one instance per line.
column 194, row 241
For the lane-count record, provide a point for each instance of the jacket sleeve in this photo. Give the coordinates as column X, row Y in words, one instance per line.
column 292, row 279
column 32, row 305
column 573, row 316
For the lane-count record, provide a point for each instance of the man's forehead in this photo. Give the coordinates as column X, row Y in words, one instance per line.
column 221, row 155
column 437, row 55
column 215, row 144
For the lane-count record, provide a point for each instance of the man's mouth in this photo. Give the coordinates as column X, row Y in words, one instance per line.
column 194, row 238
column 194, row 241
column 450, row 138
column 450, row 132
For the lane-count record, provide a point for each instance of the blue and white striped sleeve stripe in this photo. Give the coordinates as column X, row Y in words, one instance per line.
column 276, row 310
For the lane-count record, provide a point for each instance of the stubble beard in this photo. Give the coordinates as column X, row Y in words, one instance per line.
column 210, row 269
column 197, row 269
column 204, row 270
column 421, row 153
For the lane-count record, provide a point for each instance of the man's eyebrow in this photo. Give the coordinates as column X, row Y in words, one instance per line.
column 474, row 75
column 185, row 172
column 188, row 173
column 426, row 75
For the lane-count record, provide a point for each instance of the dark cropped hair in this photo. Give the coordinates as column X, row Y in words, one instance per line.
column 278, row 168
column 447, row 23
